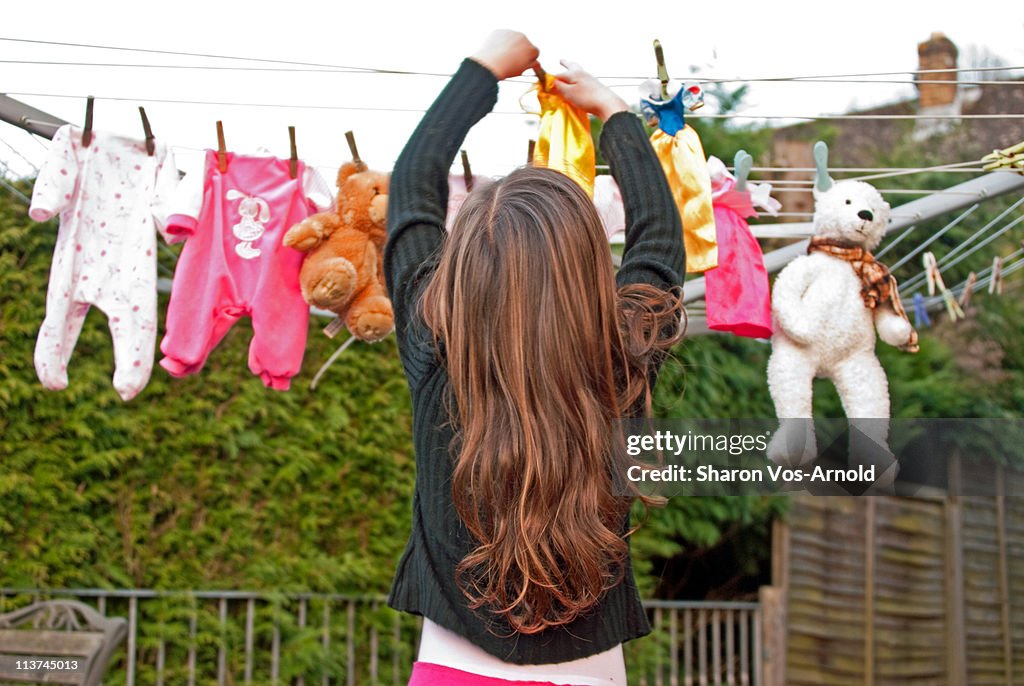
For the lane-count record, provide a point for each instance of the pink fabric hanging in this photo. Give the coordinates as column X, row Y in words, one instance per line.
column 737, row 295
column 457, row 194
column 608, row 201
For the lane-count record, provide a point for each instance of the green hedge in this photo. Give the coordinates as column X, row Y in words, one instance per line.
column 209, row 482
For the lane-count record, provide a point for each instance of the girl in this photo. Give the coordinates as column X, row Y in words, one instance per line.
column 521, row 348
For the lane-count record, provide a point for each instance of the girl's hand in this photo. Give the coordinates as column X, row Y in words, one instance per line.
column 586, row 92
column 506, row 53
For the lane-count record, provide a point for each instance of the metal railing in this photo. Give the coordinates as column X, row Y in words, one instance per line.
column 231, row 637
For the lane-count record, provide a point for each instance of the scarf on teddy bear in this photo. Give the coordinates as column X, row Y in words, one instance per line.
column 878, row 283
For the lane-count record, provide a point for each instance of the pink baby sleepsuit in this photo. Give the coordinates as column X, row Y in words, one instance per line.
column 233, row 264
column 110, row 196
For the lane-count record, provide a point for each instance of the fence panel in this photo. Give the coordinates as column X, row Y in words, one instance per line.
column 237, row 637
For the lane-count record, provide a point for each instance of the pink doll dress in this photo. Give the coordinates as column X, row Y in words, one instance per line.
column 737, row 294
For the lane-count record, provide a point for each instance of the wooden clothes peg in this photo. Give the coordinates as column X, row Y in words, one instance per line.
column 222, row 151
column 293, row 161
column 350, row 138
column 467, row 173
column 542, row 77
column 87, row 131
column 932, row 273
column 659, row 56
column 965, row 297
column 952, row 306
column 150, row 143
column 995, row 284
column 1011, row 158
column 529, row 151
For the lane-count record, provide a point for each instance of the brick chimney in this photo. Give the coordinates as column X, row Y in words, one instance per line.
column 938, row 52
column 943, row 99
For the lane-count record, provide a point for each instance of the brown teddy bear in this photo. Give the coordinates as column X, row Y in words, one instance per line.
column 343, row 270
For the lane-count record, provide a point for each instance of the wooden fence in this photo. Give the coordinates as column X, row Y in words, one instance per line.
column 885, row 590
column 306, row 639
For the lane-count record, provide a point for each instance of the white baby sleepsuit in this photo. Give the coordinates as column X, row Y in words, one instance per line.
column 110, row 196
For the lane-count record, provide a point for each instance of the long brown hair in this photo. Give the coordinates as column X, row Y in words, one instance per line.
column 543, row 352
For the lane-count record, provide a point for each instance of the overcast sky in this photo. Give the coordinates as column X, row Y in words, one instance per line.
column 724, row 39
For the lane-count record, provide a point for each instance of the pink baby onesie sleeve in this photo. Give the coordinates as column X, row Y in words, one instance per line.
column 233, row 264
column 110, row 196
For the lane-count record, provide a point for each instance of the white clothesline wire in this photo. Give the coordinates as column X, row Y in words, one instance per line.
column 286, row 106
column 947, row 262
column 938, row 167
column 985, row 242
column 973, row 237
column 934, row 237
column 896, row 191
column 331, row 166
column 703, row 78
column 896, row 241
column 879, row 172
column 14, row 191
column 224, row 103
column 987, row 271
column 955, row 167
column 18, row 153
column 374, row 72
column 982, row 282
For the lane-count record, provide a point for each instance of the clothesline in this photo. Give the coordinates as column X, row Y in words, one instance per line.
column 16, row 152
column 224, row 103
column 931, row 302
column 946, row 262
column 916, row 281
column 888, row 173
column 807, row 183
column 376, row 70
column 988, row 270
column 853, row 170
column 895, row 191
column 983, row 281
column 14, row 191
column 892, row 191
column 934, row 237
column 370, row 72
column 882, row 173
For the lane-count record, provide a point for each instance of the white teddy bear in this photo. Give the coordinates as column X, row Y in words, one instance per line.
column 826, row 306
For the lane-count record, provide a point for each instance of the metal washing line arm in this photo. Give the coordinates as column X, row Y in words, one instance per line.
column 29, row 118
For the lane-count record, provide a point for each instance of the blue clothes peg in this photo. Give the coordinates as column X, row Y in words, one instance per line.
column 920, row 312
